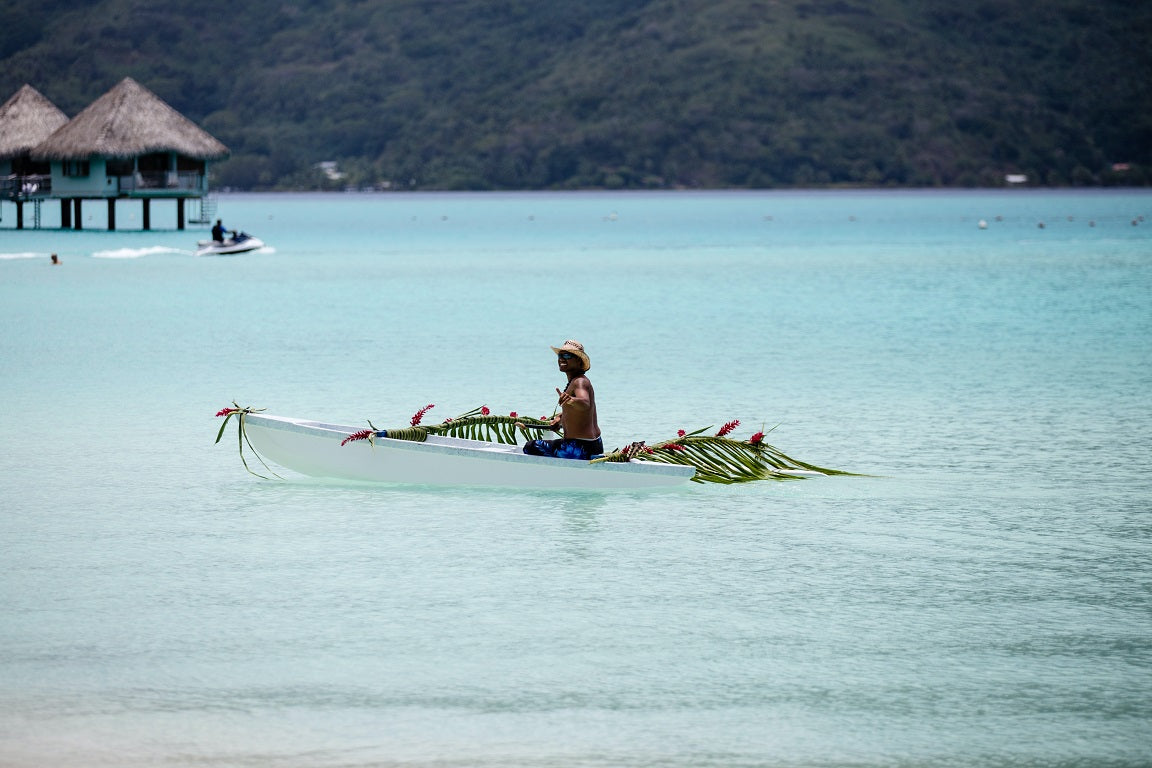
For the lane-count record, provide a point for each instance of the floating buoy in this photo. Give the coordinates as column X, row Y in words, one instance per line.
column 983, row 224
column 1040, row 224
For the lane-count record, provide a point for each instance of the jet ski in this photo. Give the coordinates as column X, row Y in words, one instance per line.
column 240, row 242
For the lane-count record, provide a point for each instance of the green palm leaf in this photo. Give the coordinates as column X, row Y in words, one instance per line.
column 722, row 459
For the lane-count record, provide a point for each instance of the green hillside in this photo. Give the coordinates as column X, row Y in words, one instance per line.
column 512, row 94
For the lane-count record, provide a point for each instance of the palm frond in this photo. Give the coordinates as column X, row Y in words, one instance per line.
column 474, row 426
column 242, row 437
column 721, row 459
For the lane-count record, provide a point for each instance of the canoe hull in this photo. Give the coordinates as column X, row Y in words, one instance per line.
column 314, row 448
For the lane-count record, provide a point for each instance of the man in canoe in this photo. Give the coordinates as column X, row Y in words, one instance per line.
column 577, row 420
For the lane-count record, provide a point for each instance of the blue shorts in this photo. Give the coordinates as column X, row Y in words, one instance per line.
column 565, row 448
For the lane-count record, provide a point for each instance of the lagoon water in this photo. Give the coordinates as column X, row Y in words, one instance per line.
column 983, row 598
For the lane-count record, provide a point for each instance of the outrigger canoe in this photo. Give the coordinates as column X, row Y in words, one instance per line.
column 478, row 448
column 320, row 449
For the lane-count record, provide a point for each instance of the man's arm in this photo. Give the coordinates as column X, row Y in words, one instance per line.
column 579, row 398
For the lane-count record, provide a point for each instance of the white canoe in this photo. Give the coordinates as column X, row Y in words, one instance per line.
column 314, row 448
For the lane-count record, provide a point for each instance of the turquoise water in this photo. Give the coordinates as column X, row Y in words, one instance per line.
column 983, row 599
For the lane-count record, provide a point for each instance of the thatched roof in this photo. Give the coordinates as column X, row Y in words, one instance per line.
column 129, row 121
column 27, row 119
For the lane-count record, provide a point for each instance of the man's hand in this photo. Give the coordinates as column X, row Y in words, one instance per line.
column 578, row 399
column 554, row 426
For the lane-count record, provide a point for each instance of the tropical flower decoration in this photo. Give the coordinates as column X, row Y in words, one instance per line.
column 240, row 412
column 728, row 428
column 363, row 434
column 420, row 413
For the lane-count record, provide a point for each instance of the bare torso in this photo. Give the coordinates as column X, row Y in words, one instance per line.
column 578, row 409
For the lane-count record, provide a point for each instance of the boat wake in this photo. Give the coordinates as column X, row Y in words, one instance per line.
column 136, row 253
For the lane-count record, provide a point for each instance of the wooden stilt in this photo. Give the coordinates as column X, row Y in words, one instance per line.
column 65, row 213
column 180, row 213
column 19, row 214
column 147, row 214
column 111, row 214
column 79, row 222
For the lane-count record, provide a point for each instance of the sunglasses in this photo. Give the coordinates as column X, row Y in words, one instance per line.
column 565, row 355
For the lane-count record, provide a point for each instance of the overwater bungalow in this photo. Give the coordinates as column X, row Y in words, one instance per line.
column 127, row 144
column 26, row 119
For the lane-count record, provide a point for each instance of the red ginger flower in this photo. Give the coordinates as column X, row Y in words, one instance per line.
column 484, row 410
column 513, row 414
column 361, row 435
column 632, row 449
column 727, row 428
column 673, row 447
column 420, row 413
column 226, row 411
column 680, row 433
column 757, row 438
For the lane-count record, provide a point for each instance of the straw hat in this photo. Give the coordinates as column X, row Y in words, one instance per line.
column 575, row 348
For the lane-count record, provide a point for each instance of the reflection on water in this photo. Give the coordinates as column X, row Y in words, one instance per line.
column 580, row 512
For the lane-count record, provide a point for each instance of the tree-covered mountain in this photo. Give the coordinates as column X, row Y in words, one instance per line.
column 512, row 94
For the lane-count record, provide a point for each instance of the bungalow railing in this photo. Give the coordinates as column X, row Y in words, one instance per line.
column 166, row 180
column 25, row 187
